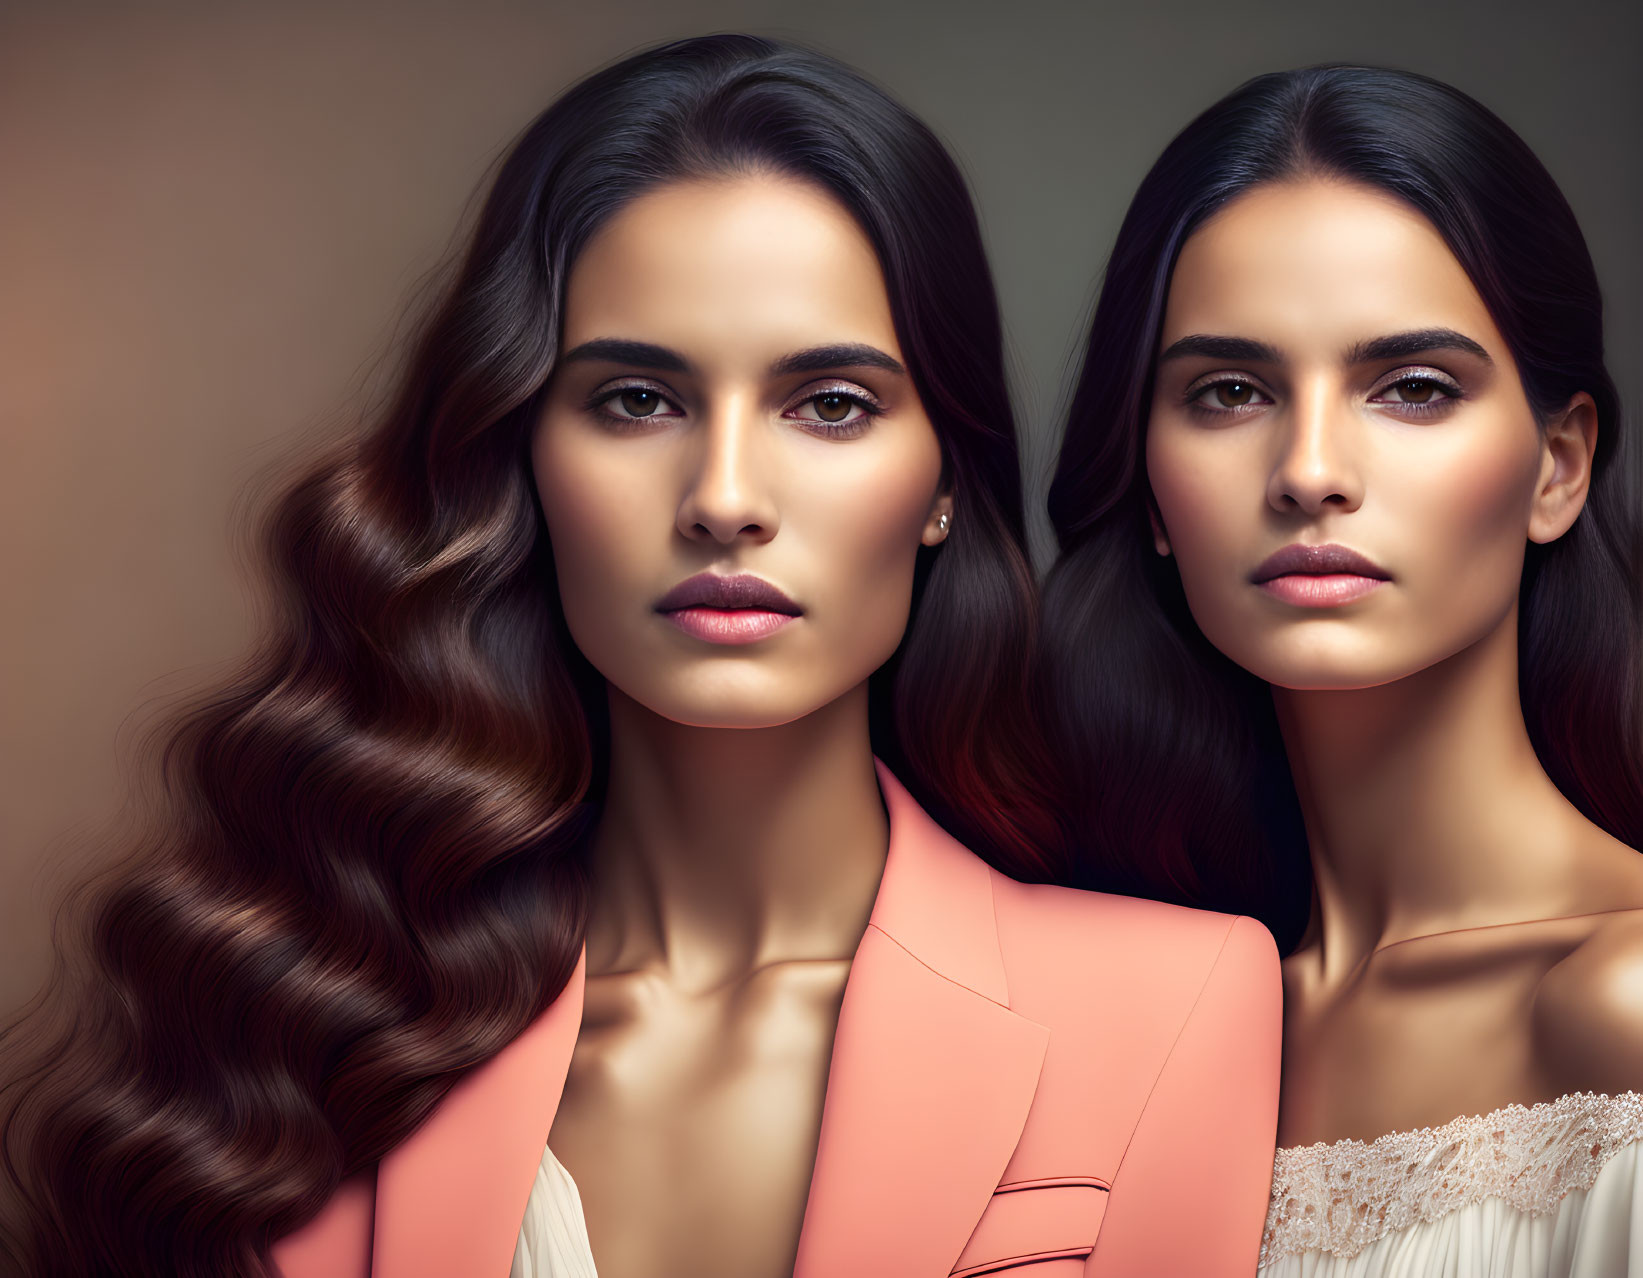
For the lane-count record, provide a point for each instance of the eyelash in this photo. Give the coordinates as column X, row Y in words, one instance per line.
column 1447, row 390
column 622, row 421
column 1198, row 390
column 848, row 428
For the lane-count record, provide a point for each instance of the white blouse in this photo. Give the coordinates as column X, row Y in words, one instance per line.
column 553, row 1238
column 1553, row 1190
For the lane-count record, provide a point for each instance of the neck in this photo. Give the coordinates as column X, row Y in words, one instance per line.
column 1426, row 809
column 722, row 850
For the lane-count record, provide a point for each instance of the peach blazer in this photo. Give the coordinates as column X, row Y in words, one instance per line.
column 1029, row 1078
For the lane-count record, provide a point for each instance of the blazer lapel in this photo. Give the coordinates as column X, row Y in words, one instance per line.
column 451, row 1196
column 928, row 1090
column 932, row 1075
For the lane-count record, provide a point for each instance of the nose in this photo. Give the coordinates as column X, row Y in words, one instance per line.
column 1315, row 468
column 727, row 493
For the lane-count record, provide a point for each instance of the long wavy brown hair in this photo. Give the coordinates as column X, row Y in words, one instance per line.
column 367, row 875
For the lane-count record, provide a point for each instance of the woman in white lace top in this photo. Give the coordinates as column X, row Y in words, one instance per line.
column 1340, row 473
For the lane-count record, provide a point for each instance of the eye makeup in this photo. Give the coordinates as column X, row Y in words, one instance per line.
column 1225, row 395
column 627, row 406
column 1441, row 392
column 1230, row 394
column 861, row 408
column 631, row 400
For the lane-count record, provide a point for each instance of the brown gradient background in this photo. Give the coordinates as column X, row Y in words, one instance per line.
column 213, row 221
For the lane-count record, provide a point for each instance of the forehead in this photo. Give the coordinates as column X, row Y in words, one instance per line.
column 762, row 264
column 1320, row 261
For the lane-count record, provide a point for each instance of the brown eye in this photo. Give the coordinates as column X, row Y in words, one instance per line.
column 833, row 408
column 640, row 403
column 1417, row 390
column 835, row 414
column 1233, row 394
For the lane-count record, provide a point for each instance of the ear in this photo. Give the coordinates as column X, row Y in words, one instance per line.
column 1160, row 538
column 1568, row 442
column 940, row 522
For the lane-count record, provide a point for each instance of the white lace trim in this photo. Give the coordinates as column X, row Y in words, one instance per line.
column 1340, row 1198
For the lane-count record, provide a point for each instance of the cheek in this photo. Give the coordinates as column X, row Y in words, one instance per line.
column 600, row 512
column 859, row 524
column 1210, row 497
column 1460, row 522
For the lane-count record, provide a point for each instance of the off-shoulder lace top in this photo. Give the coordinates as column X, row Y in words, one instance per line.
column 1553, row 1190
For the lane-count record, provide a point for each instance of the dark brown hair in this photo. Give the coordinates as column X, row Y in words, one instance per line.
column 369, row 877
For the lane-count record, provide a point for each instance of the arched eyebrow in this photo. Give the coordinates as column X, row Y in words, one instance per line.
column 818, row 359
column 1243, row 350
column 620, row 350
column 1415, row 342
column 1238, row 350
column 814, row 359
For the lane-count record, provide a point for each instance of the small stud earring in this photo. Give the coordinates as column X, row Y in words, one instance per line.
column 942, row 523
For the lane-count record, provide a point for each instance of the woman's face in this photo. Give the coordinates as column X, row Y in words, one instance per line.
column 733, row 463
column 1345, row 466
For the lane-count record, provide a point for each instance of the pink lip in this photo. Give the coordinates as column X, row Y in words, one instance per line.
column 1325, row 591
column 1318, row 576
column 735, row 609
column 728, row 625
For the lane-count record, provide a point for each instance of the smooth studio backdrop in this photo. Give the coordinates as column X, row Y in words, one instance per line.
column 214, row 217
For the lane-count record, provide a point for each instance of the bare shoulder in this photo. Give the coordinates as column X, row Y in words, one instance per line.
column 1589, row 1009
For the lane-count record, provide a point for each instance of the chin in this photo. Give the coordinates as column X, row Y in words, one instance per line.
column 1323, row 672
column 1326, row 682
column 720, row 718
column 720, row 707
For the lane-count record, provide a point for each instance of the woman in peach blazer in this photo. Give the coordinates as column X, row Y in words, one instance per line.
column 1024, row 1077
column 549, row 829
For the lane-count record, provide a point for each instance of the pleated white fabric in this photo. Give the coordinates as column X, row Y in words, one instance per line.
column 1553, row 1190
column 553, row 1238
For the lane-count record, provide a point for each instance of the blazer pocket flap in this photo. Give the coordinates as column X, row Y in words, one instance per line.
column 1035, row 1220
